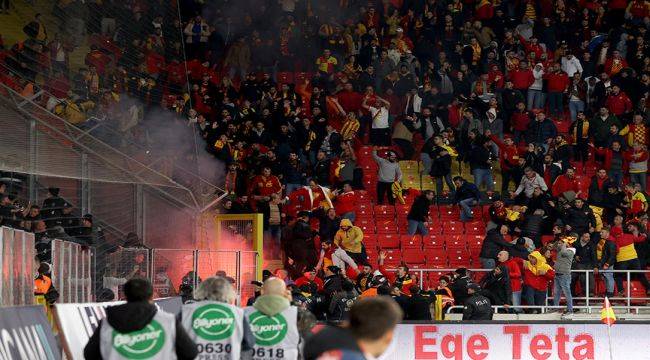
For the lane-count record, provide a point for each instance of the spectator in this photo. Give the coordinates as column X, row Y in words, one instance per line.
column 350, row 239
column 493, row 243
column 389, row 172
column 638, row 164
column 578, row 218
column 537, row 274
column 527, row 185
column 605, row 260
column 440, row 164
column 418, row 305
column 496, row 286
column 626, row 255
column 600, row 125
column 541, row 131
column 372, row 324
column 466, row 196
column 418, row 217
column 514, row 269
column 563, row 277
column 615, row 161
column 585, row 259
column 480, row 162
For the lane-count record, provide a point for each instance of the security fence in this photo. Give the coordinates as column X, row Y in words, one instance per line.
column 178, row 271
column 17, row 264
column 72, row 271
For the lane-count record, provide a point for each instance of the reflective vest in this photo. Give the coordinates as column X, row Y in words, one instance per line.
column 216, row 328
column 276, row 337
column 42, row 285
column 154, row 342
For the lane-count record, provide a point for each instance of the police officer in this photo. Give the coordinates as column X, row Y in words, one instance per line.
column 477, row 306
column 273, row 321
column 214, row 323
column 138, row 330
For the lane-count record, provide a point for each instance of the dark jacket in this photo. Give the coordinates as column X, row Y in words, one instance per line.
column 418, row 307
column 459, row 289
column 441, row 164
column 492, row 244
column 539, row 131
column 477, row 307
column 420, row 209
column 467, row 191
column 331, row 285
column 479, row 157
column 609, row 254
column 579, row 219
column 327, row 227
column 135, row 316
column 585, row 254
column 497, row 287
column 597, row 194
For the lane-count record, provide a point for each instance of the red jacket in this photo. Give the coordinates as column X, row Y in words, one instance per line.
column 520, row 120
column 609, row 154
column 508, row 155
column 345, row 203
column 538, row 282
column 557, row 82
column 350, row 101
column 305, row 281
column 619, row 104
column 563, row 184
column 515, row 267
column 521, row 79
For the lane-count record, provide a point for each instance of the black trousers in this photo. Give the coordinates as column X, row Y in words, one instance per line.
column 385, row 188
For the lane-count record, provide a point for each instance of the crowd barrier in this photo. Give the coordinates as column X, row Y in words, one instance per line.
column 17, row 264
column 171, row 269
column 72, row 271
column 591, row 294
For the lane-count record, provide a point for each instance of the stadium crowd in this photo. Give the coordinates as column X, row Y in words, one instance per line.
column 319, row 108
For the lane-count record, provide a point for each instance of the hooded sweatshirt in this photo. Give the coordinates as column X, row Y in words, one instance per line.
column 351, row 239
column 271, row 304
column 134, row 316
column 533, row 276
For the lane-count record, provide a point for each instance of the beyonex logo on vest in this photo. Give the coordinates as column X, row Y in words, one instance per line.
column 142, row 344
column 213, row 322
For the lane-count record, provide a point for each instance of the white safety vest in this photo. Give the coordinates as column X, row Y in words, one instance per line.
column 276, row 337
column 217, row 329
column 154, row 342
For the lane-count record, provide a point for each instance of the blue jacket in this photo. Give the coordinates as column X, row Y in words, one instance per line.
column 467, row 191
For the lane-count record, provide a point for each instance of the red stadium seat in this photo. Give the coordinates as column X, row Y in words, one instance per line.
column 393, row 258
column 387, row 226
column 475, row 227
column 455, row 243
column 367, row 226
column 384, row 211
column 388, row 241
column 433, row 241
column 452, row 227
column 413, row 257
column 411, row 242
column 435, row 261
column 285, row 77
column 474, row 241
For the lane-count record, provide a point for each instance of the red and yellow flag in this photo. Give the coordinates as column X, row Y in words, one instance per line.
column 607, row 315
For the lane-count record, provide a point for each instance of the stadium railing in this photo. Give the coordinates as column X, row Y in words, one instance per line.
column 17, row 265
column 630, row 299
column 72, row 271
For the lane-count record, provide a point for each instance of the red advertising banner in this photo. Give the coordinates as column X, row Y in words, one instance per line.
column 519, row 341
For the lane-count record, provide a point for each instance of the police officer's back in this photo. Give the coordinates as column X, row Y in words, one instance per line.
column 477, row 306
column 138, row 328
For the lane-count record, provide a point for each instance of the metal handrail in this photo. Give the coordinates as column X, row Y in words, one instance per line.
column 628, row 298
column 100, row 123
column 169, row 182
column 544, row 308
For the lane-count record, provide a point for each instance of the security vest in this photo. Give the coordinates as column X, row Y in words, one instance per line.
column 217, row 329
column 276, row 337
column 154, row 342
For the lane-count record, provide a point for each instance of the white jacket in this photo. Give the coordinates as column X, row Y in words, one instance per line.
column 539, row 81
column 571, row 66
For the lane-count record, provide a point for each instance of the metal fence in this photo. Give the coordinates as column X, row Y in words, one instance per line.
column 169, row 269
column 72, row 271
column 17, row 264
